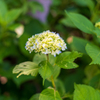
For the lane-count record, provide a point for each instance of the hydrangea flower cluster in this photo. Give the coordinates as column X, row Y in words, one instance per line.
column 47, row 43
column 97, row 25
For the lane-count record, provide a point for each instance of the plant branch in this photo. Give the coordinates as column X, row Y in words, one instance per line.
column 52, row 79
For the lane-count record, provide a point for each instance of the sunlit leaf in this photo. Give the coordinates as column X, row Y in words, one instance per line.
column 45, row 70
column 49, row 94
column 84, row 92
column 65, row 60
column 26, row 68
column 94, row 52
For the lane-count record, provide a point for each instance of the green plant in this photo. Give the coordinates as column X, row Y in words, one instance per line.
column 48, row 66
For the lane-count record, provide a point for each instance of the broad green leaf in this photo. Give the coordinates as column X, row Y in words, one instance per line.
column 26, row 68
column 79, row 44
column 84, row 92
column 3, row 11
column 49, row 94
column 35, row 97
column 65, row 60
column 94, row 52
column 41, row 57
column 45, row 70
column 12, row 15
column 81, row 22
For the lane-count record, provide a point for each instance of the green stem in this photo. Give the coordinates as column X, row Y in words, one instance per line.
column 52, row 79
column 53, row 83
column 47, row 57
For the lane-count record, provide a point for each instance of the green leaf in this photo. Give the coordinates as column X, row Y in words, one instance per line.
column 39, row 58
column 81, row 22
column 26, row 68
column 84, row 92
column 65, row 60
column 79, row 44
column 49, row 94
column 94, row 52
column 35, row 97
column 3, row 11
column 45, row 70
column 12, row 15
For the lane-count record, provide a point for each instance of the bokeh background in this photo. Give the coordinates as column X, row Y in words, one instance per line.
column 19, row 20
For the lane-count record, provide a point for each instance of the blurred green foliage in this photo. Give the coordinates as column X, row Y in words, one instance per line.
column 15, row 13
